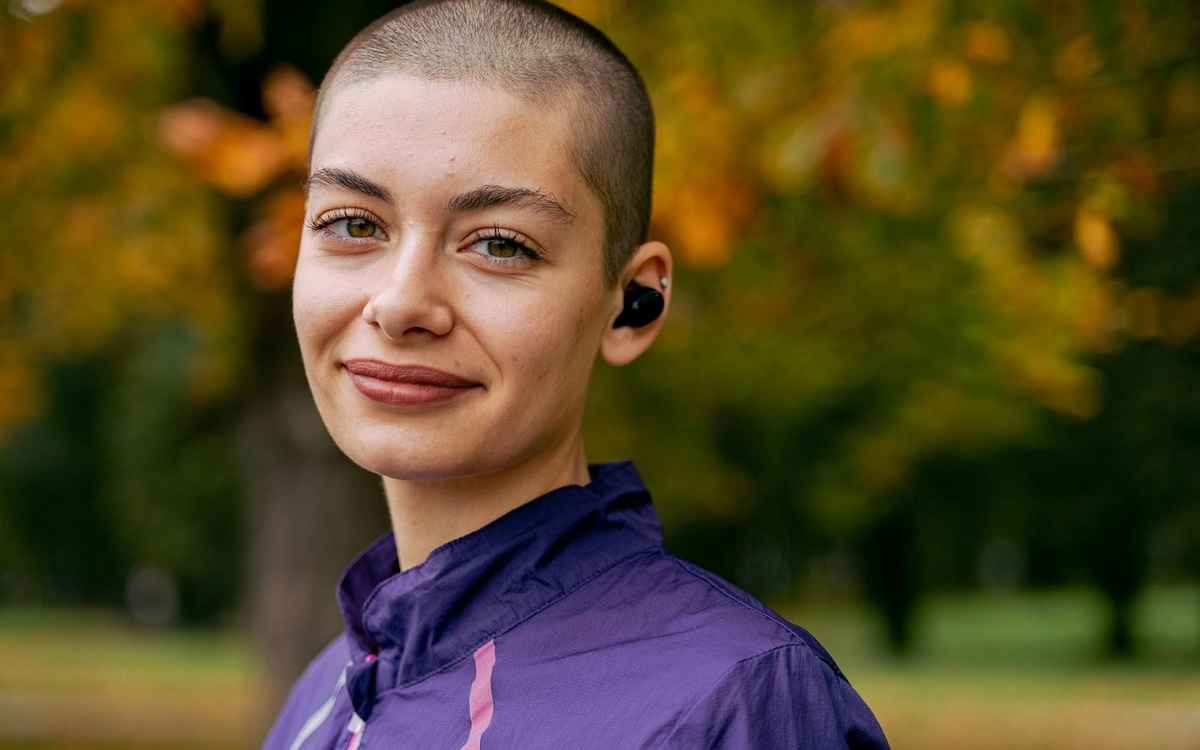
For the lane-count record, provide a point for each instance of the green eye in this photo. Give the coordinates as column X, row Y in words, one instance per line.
column 360, row 228
column 508, row 249
column 502, row 249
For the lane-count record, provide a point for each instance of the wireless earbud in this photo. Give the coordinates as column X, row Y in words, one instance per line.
column 643, row 305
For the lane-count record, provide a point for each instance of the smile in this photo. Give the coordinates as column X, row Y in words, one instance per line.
column 405, row 385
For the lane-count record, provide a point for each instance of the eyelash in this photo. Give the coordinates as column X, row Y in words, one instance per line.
column 495, row 233
column 338, row 214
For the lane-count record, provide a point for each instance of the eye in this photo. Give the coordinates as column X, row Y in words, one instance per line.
column 502, row 247
column 360, row 225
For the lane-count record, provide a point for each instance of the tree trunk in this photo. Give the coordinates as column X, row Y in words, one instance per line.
column 891, row 573
column 311, row 511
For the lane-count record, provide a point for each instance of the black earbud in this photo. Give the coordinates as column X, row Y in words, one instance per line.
column 643, row 305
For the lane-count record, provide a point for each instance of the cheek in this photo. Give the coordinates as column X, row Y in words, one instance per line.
column 321, row 304
column 544, row 346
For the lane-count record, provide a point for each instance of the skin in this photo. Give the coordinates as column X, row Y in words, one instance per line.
column 410, row 283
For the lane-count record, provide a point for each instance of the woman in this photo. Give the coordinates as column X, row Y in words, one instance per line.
column 478, row 200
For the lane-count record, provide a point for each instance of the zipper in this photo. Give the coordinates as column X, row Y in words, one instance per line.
column 357, row 723
column 355, row 727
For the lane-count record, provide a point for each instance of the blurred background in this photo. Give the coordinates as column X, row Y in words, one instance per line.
column 930, row 385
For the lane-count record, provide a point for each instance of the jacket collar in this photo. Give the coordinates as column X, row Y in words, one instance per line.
column 475, row 587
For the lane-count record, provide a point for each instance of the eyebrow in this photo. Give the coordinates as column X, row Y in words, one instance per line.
column 484, row 196
column 349, row 180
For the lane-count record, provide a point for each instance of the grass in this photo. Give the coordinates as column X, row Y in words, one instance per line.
column 1016, row 671
column 1025, row 670
column 83, row 680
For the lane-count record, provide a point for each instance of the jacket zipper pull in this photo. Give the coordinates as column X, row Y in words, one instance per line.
column 355, row 727
column 364, row 690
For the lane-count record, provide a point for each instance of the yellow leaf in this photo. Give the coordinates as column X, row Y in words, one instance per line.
column 1035, row 146
column 949, row 81
column 987, row 42
column 245, row 159
column 1096, row 240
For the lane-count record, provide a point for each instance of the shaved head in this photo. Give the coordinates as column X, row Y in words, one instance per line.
column 545, row 56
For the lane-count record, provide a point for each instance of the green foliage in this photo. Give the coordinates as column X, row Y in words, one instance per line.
column 934, row 284
column 120, row 321
column 952, row 204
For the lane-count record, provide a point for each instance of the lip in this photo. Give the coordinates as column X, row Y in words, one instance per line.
column 405, row 384
column 417, row 374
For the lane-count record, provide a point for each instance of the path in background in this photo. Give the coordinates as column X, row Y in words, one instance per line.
column 1002, row 671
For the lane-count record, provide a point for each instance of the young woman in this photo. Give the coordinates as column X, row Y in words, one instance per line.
column 478, row 202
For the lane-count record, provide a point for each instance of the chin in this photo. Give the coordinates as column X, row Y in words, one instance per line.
column 391, row 453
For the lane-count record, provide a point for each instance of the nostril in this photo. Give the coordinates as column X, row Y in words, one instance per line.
column 396, row 313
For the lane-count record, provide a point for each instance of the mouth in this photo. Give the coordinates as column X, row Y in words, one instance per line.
column 406, row 384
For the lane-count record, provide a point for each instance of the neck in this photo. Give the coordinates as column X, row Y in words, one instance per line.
column 428, row 513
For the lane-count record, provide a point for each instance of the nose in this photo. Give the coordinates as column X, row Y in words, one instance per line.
column 412, row 297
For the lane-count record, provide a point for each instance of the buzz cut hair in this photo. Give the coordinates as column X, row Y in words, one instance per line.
column 544, row 55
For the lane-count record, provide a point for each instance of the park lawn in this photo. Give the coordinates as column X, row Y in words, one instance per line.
column 1014, row 671
column 1024, row 671
column 77, row 679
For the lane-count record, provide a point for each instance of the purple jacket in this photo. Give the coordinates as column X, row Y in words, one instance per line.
column 566, row 624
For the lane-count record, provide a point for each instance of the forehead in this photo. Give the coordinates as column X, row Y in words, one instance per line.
column 414, row 134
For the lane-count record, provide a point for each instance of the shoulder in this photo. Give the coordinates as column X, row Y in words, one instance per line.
column 786, row 697
column 768, row 682
column 725, row 620
column 747, row 615
column 311, row 691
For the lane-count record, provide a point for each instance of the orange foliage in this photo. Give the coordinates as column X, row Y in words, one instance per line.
column 1034, row 148
column 1096, row 239
column 273, row 241
column 705, row 219
column 230, row 151
column 987, row 42
column 242, row 157
column 106, row 231
column 949, row 82
column 842, row 126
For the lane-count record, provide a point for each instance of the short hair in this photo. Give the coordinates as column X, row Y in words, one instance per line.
column 542, row 54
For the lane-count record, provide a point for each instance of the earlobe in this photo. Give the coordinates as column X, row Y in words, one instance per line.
column 620, row 345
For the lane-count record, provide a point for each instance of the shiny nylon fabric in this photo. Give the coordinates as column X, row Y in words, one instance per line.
column 565, row 623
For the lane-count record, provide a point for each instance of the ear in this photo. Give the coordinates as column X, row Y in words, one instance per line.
column 648, row 266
